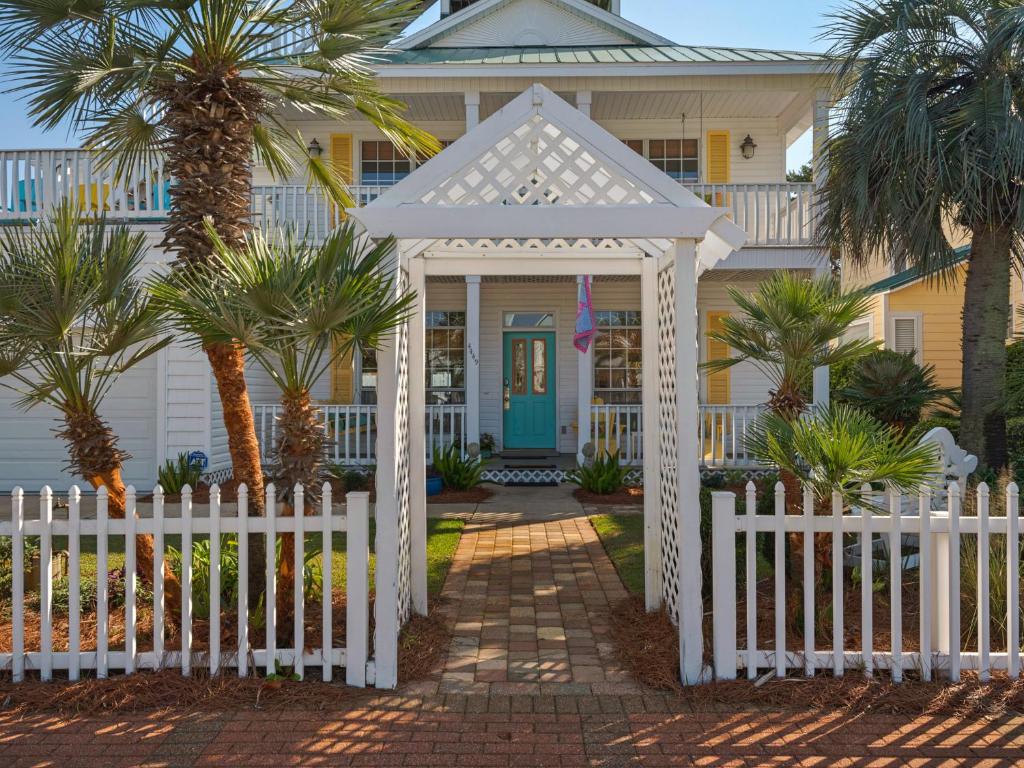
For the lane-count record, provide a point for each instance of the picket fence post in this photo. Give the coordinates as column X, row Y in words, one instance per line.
column 723, row 565
column 18, row 585
column 1012, row 581
column 357, row 608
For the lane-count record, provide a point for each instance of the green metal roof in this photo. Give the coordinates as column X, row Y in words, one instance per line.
column 912, row 275
column 615, row 54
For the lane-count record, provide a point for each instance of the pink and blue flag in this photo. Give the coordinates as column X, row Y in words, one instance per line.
column 586, row 324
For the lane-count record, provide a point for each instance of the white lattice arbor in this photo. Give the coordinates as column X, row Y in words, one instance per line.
column 540, row 189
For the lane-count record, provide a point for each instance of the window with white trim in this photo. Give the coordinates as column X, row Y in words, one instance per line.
column 618, row 359
column 446, row 358
column 679, row 158
column 858, row 331
column 382, row 165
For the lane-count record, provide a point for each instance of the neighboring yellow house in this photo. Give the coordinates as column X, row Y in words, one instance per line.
column 920, row 313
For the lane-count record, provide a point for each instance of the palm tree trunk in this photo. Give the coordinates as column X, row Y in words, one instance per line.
column 95, row 456
column 299, row 458
column 985, row 322
column 210, row 118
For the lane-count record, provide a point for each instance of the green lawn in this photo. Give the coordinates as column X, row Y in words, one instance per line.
column 623, row 539
column 442, row 540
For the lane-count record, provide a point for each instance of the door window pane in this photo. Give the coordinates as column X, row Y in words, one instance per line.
column 518, row 366
column 540, row 367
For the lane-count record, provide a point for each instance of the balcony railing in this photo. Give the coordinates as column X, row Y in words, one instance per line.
column 770, row 214
column 33, row 182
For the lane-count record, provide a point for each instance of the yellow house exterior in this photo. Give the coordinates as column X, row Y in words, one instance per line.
column 924, row 314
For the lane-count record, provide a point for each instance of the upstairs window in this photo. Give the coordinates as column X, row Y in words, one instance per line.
column 381, row 165
column 679, row 158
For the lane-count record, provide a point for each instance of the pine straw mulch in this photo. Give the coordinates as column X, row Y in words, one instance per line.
column 623, row 497
column 476, row 495
column 421, row 647
column 647, row 644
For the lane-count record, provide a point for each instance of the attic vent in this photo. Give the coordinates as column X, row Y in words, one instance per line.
column 454, row 6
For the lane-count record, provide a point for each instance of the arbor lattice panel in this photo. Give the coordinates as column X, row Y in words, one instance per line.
column 668, row 493
column 539, row 163
column 402, row 454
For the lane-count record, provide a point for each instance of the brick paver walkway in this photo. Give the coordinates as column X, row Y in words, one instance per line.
column 529, row 604
column 529, row 682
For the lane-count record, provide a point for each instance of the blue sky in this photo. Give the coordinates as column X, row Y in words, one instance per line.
column 785, row 24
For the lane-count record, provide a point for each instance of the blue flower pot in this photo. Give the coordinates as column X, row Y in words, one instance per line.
column 434, row 486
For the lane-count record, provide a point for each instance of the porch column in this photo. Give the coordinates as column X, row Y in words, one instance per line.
column 821, row 396
column 386, row 516
column 472, row 99
column 691, row 641
column 417, row 439
column 584, row 99
column 822, row 110
column 649, row 426
column 472, row 359
column 585, row 391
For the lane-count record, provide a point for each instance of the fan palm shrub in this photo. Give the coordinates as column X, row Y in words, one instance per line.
column 893, row 388
column 74, row 316
column 296, row 308
column 207, row 83
column 788, row 327
column 929, row 150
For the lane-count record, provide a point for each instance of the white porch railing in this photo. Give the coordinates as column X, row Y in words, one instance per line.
column 34, row 181
column 88, row 644
column 618, row 428
column 927, row 540
column 352, row 430
column 771, row 214
column 722, row 432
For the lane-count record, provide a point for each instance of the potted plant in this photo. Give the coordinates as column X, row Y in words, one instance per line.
column 487, row 445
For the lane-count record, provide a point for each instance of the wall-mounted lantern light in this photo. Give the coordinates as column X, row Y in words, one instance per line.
column 315, row 150
column 747, row 148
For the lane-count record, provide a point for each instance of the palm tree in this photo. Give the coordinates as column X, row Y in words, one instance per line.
column 74, row 316
column 788, row 327
column 840, row 448
column 929, row 148
column 208, row 83
column 297, row 308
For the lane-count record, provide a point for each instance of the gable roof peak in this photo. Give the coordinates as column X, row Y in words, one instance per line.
column 498, row 23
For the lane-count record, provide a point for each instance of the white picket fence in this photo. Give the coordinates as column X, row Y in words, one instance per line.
column 939, row 535
column 245, row 657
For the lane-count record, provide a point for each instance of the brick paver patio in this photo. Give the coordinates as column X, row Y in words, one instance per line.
column 530, row 681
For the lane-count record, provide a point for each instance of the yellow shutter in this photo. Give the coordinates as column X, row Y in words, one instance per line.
column 341, row 159
column 719, row 148
column 341, row 155
column 343, row 380
column 720, row 382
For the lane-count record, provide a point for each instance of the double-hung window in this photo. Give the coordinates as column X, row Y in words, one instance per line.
column 679, row 158
column 446, row 358
column 618, row 360
column 382, row 165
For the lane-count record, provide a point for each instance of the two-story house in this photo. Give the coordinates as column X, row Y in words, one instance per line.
column 498, row 358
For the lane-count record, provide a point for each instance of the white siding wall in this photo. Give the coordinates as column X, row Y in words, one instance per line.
column 31, row 455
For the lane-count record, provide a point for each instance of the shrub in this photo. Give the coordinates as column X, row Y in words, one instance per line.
column 893, row 388
column 175, row 474
column 1015, row 446
column 1015, row 380
column 456, row 471
column 7, row 563
column 604, row 476
column 353, row 479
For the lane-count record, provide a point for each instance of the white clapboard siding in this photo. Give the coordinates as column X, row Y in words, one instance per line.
column 894, row 520
column 168, row 519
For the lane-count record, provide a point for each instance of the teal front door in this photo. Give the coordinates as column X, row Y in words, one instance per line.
column 529, row 391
